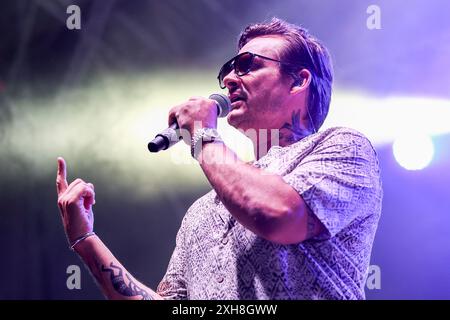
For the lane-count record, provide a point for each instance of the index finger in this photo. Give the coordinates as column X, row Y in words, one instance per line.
column 172, row 116
column 61, row 176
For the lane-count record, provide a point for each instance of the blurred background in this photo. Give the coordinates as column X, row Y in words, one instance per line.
column 97, row 95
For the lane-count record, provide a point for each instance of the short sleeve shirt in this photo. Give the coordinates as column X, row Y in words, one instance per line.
column 336, row 172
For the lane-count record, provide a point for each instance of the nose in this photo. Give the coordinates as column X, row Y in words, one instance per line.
column 231, row 80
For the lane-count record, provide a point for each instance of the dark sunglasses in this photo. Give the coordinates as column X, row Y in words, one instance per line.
column 242, row 64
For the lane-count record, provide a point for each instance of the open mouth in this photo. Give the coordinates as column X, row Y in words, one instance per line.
column 236, row 99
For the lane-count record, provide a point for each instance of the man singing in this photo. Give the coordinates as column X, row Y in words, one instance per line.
column 296, row 223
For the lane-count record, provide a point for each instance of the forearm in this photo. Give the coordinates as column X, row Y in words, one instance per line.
column 257, row 199
column 112, row 278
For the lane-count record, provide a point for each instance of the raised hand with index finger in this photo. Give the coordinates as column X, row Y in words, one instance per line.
column 75, row 203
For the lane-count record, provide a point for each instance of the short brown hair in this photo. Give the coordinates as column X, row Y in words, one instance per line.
column 303, row 51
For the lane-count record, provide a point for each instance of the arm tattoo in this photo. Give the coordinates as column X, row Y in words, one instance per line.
column 118, row 282
column 295, row 131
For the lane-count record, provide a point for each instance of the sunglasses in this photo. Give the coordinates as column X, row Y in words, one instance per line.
column 242, row 64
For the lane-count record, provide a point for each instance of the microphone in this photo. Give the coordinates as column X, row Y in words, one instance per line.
column 169, row 136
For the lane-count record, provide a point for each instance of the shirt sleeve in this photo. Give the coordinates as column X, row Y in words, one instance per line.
column 338, row 180
column 173, row 285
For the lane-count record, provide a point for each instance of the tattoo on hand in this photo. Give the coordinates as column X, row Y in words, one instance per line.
column 118, row 282
column 295, row 130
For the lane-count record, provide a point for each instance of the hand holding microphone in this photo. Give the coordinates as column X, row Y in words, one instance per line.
column 196, row 109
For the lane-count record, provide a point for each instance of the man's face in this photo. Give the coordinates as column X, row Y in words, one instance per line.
column 265, row 91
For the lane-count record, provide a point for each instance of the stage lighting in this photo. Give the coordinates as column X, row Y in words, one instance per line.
column 413, row 151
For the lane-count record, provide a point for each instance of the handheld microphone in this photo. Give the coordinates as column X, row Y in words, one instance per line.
column 169, row 136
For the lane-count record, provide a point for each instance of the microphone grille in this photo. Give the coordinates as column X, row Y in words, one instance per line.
column 223, row 104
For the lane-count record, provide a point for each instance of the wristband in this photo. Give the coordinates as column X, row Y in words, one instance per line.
column 78, row 240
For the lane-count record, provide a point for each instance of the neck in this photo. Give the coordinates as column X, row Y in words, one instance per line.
column 265, row 140
column 268, row 138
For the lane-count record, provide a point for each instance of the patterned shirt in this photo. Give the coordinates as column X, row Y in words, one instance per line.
column 337, row 174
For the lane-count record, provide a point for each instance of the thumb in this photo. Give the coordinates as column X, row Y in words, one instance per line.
column 88, row 197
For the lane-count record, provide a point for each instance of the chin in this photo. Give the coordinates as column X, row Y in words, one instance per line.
column 236, row 113
column 236, row 120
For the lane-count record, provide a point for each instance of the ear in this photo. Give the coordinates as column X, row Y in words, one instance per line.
column 302, row 82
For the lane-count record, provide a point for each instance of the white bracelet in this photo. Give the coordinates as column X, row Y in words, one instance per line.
column 87, row 235
column 201, row 136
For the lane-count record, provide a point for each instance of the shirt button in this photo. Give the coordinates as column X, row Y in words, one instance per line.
column 224, row 240
column 219, row 278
